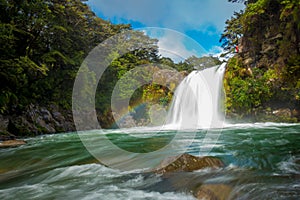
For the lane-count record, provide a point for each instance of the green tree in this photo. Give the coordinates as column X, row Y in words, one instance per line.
column 233, row 32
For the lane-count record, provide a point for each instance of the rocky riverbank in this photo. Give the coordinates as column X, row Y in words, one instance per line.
column 278, row 115
column 36, row 120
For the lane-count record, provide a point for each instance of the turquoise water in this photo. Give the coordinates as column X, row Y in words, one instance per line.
column 262, row 162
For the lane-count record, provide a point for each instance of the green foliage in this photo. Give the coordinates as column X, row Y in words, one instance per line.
column 42, row 45
column 256, row 8
column 233, row 32
column 265, row 74
column 246, row 91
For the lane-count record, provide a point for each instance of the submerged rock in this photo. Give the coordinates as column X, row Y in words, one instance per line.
column 11, row 143
column 213, row 192
column 188, row 163
column 184, row 177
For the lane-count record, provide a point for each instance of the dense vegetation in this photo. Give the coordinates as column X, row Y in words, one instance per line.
column 264, row 76
column 43, row 44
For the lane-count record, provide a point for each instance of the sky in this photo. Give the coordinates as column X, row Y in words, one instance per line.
column 180, row 23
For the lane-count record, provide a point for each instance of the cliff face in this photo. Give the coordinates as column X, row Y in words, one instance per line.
column 262, row 80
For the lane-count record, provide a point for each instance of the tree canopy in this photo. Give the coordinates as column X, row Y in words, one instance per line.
column 42, row 44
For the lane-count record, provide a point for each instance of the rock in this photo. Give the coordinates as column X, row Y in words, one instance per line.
column 43, row 126
column 213, row 192
column 46, row 115
column 296, row 113
column 283, row 112
column 4, row 134
column 284, row 115
column 3, row 123
column 41, row 118
column 22, row 127
column 58, row 116
column 36, row 120
column 169, row 78
column 11, row 143
column 126, row 122
column 188, row 163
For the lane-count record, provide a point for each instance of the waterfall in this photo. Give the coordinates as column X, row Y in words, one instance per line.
column 196, row 101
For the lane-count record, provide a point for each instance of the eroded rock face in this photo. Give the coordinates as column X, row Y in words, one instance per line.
column 188, row 163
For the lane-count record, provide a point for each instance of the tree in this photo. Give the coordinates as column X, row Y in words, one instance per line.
column 233, row 32
column 42, row 46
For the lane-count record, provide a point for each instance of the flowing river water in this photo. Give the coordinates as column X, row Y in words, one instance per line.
column 262, row 162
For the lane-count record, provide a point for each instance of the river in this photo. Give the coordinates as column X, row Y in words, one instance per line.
column 262, row 162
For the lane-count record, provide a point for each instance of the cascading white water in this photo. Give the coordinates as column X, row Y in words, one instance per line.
column 196, row 102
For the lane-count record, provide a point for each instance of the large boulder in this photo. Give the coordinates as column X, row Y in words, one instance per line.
column 188, row 163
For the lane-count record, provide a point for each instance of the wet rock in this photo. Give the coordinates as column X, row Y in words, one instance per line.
column 188, row 163
column 11, row 143
column 213, row 192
